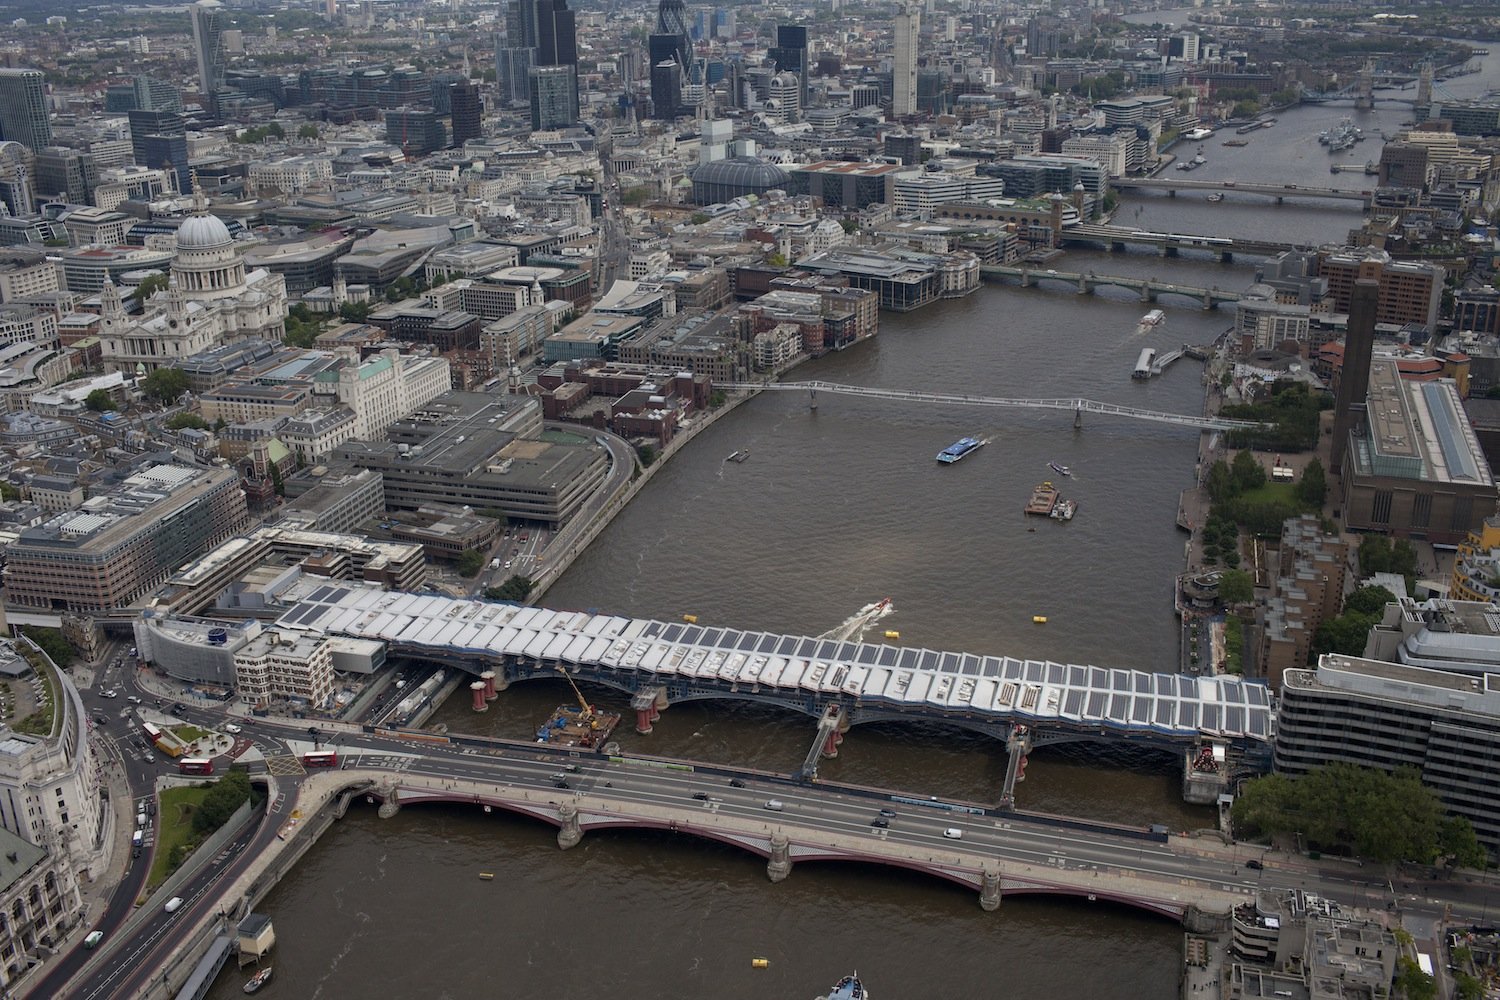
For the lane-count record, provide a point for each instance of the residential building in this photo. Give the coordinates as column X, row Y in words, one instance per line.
column 1306, row 590
column 1410, row 291
column 908, row 32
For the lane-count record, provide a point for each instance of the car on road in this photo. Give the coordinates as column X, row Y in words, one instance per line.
column 953, row 833
column 177, row 707
column 100, row 720
column 173, row 905
column 775, row 805
column 109, row 694
column 880, row 821
column 1254, row 865
column 701, row 796
column 133, row 699
column 561, row 784
column 888, row 813
column 736, row 783
column 231, row 728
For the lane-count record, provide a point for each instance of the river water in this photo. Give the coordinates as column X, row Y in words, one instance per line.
column 834, row 509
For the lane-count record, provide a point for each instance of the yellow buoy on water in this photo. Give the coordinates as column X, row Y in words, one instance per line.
column 892, row 634
column 1039, row 619
column 760, row 963
column 690, row 619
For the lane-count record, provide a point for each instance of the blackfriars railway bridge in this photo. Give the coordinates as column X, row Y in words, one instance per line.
column 1025, row 703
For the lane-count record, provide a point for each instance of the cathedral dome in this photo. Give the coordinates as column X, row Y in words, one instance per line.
column 203, row 232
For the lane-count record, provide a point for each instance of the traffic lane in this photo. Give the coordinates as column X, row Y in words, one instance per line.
column 132, row 964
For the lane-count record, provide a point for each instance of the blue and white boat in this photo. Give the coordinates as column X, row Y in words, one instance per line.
column 959, row 449
column 848, row 988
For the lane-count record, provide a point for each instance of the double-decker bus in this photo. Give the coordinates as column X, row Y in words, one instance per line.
column 195, row 765
column 320, row 758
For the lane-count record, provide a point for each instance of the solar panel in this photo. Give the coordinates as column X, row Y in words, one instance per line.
column 747, row 641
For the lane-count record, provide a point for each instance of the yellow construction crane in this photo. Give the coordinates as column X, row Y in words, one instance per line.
column 588, row 710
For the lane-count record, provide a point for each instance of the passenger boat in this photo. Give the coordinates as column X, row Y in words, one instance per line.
column 258, row 980
column 1150, row 321
column 959, row 449
column 848, row 988
column 1043, row 499
column 740, row 455
column 1061, row 470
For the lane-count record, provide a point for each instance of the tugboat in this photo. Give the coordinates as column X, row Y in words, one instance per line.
column 848, row 988
column 1061, row 470
column 258, row 980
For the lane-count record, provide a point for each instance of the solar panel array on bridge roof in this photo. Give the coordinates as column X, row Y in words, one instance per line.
column 1002, row 688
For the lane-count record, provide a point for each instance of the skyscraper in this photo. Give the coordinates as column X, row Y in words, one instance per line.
column 554, row 97
column 23, row 108
column 467, row 108
column 537, row 33
column 671, row 53
column 159, row 139
column 904, row 63
column 790, row 56
column 208, row 43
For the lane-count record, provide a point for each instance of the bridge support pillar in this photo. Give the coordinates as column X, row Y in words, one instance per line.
column 779, row 865
column 1196, row 920
column 1083, row 285
column 648, row 703
column 1078, row 418
column 390, row 801
column 989, row 891
column 1208, row 300
column 570, row 833
column 489, row 685
column 477, row 689
column 1145, row 293
column 1280, row 200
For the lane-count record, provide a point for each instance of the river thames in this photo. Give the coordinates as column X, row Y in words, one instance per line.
column 835, row 509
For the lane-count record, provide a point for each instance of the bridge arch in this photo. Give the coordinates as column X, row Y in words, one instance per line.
column 967, row 878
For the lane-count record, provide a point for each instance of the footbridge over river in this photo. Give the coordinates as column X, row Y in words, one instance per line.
column 659, row 663
column 1075, row 405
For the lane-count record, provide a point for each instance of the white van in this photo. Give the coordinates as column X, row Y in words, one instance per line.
column 173, row 905
column 953, row 833
column 92, row 941
column 140, row 820
column 775, row 805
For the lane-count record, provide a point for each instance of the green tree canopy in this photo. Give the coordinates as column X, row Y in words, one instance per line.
column 51, row 640
column 1236, row 587
column 516, row 588
column 99, row 401
column 1248, row 473
column 1378, row 815
column 165, row 385
column 182, row 421
column 148, row 287
column 470, row 563
column 227, row 794
column 1312, row 488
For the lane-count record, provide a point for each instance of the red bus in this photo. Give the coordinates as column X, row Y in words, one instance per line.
column 195, row 765
column 320, row 758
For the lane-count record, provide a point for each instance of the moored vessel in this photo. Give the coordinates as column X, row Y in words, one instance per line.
column 959, row 449
column 258, row 980
column 1043, row 499
column 1065, row 510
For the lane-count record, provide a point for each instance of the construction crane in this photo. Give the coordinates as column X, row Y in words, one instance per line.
column 588, row 710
